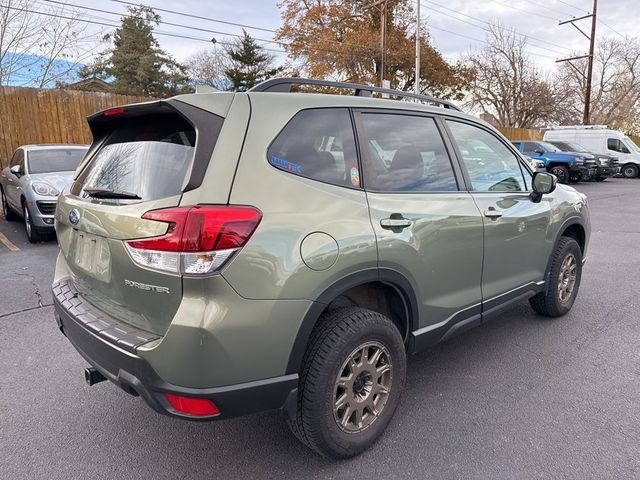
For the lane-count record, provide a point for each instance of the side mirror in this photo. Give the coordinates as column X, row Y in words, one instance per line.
column 539, row 151
column 16, row 170
column 542, row 183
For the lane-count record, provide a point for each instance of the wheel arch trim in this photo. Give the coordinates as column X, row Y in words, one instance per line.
column 387, row 276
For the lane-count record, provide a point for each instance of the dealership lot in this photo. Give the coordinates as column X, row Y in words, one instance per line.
column 520, row 397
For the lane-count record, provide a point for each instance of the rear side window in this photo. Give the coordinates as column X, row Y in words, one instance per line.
column 150, row 157
column 318, row 144
column 404, row 153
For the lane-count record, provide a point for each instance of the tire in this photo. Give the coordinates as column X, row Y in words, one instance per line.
column 601, row 179
column 630, row 170
column 341, row 335
column 561, row 172
column 31, row 230
column 9, row 215
column 556, row 300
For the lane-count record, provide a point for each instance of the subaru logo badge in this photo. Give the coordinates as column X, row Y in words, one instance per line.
column 74, row 216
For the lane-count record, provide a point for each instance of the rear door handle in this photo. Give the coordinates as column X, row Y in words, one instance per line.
column 492, row 213
column 395, row 222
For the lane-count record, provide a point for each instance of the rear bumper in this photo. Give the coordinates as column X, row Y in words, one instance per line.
column 112, row 351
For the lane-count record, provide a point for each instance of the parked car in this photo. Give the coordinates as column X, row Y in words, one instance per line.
column 34, row 178
column 215, row 277
column 606, row 165
column 568, row 167
column 601, row 140
column 536, row 165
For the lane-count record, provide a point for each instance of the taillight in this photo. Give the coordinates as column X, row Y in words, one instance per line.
column 199, row 240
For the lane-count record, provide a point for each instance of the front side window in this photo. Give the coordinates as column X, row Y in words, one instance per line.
column 18, row 158
column 617, row 146
column 491, row 165
column 318, row 144
column 55, row 160
column 404, row 153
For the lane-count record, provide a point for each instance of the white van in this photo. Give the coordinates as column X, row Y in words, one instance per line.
column 599, row 139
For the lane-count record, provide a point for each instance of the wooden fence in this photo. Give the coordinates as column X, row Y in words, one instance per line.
column 522, row 133
column 31, row 115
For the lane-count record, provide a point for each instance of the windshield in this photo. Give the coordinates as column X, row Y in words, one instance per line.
column 577, row 148
column 550, row 147
column 55, row 160
column 629, row 143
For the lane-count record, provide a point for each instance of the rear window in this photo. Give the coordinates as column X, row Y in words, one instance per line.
column 55, row 160
column 150, row 158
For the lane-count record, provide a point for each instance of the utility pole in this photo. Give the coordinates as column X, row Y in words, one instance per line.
column 592, row 41
column 382, row 5
column 383, row 39
column 417, row 89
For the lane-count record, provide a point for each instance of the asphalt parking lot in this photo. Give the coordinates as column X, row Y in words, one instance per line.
column 519, row 397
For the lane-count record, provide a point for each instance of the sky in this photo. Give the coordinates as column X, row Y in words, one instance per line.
column 445, row 19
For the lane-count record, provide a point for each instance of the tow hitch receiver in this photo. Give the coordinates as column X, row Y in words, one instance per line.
column 93, row 376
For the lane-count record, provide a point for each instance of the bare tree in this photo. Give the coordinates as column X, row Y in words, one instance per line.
column 615, row 94
column 507, row 83
column 208, row 66
column 39, row 49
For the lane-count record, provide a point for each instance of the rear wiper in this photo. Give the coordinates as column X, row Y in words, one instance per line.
column 106, row 193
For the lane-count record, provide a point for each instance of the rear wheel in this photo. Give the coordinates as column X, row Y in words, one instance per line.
column 9, row 214
column 630, row 170
column 561, row 172
column 563, row 281
column 350, row 385
column 32, row 232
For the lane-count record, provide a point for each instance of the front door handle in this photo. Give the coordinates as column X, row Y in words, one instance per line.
column 492, row 213
column 395, row 221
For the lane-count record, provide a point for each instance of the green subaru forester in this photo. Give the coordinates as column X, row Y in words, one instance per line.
column 226, row 253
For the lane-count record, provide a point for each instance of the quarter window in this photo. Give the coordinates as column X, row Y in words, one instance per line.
column 491, row 165
column 318, row 144
column 404, row 153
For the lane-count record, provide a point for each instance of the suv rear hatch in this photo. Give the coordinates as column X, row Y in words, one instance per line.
column 143, row 158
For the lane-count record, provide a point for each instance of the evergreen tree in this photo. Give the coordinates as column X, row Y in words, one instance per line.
column 250, row 64
column 135, row 64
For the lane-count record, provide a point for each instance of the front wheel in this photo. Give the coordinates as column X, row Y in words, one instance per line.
column 561, row 172
column 630, row 170
column 563, row 281
column 352, row 376
column 32, row 232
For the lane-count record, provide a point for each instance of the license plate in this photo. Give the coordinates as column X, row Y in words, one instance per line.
column 92, row 255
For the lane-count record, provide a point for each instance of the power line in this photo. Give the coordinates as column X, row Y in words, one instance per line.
column 529, row 37
column 525, row 11
column 196, row 16
column 573, row 6
column 539, row 4
column 94, row 22
column 611, row 28
column 162, row 22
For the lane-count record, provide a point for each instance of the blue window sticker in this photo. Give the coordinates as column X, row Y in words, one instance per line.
column 286, row 164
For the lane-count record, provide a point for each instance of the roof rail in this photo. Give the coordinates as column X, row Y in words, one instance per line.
column 578, row 127
column 360, row 90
